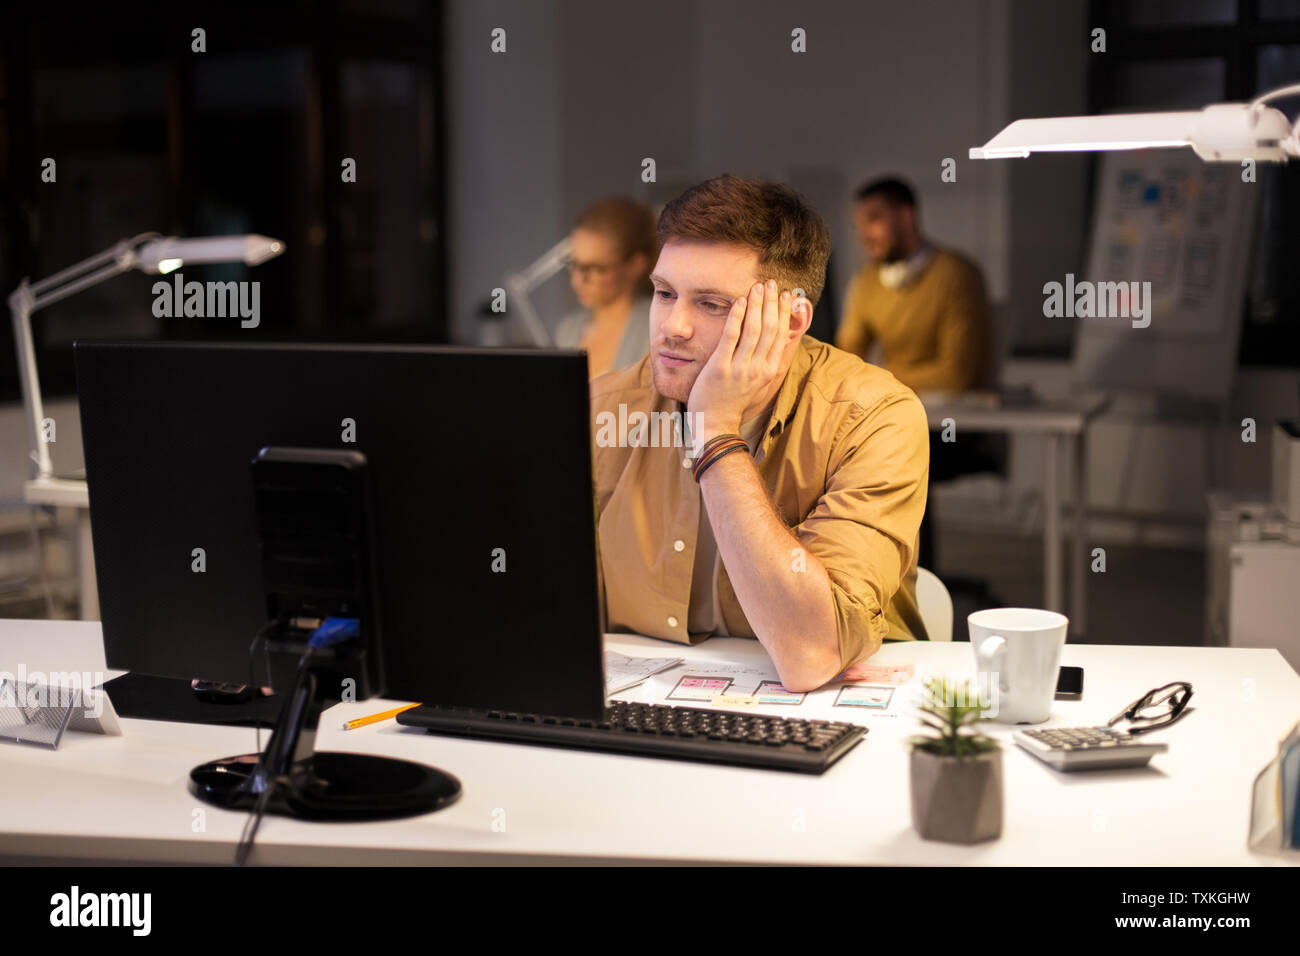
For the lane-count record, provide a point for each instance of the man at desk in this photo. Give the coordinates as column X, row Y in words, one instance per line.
column 923, row 306
column 790, row 510
column 921, row 311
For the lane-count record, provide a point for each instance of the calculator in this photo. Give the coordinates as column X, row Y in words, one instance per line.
column 1088, row 748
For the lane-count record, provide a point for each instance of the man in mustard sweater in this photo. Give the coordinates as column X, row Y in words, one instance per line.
column 921, row 312
column 924, row 306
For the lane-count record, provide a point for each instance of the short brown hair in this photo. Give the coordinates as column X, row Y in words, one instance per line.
column 791, row 239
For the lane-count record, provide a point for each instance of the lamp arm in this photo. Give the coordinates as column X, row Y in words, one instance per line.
column 1277, row 94
column 122, row 255
column 518, row 288
column 74, row 286
column 520, row 284
column 1292, row 144
column 29, row 297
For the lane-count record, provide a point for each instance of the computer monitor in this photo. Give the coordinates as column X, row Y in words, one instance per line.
column 481, row 467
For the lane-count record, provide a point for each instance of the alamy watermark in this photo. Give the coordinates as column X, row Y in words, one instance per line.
column 75, row 908
column 982, row 691
column 648, row 429
column 28, row 690
column 1098, row 300
column 208, row 300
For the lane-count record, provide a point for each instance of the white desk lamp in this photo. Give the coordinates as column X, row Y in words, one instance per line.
column 149, row 252
column 520, row 284
column 1220, row 133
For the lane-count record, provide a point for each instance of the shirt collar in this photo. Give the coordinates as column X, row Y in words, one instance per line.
column 787, row 397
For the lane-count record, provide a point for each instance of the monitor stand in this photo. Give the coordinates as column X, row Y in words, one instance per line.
column 326, row 785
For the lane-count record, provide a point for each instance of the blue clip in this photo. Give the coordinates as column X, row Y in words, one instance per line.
column 333, row 630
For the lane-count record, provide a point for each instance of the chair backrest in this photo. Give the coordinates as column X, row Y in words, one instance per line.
column 935, row 604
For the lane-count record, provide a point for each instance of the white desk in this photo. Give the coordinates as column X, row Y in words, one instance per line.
column 125, row 798
column 1062, row 424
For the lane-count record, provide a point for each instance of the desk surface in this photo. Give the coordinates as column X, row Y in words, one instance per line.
column 125, row 798
column 971, row 413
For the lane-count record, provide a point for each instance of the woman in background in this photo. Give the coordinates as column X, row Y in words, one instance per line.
column 614, row 247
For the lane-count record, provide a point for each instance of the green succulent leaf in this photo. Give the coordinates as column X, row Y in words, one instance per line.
column 950, row 708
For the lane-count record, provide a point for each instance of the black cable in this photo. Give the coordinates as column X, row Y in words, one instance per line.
column 343, row 629
column 254, row 821
column 252, row 678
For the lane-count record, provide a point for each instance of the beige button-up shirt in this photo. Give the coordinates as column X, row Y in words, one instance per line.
column 845, row 459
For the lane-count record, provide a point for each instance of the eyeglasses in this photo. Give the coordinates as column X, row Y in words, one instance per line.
column 591, row 270
column 1156, row 708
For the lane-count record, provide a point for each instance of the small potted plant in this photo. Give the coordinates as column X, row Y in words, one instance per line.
column 956, row 773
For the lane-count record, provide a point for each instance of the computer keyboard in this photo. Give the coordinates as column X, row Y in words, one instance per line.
column 659, row 730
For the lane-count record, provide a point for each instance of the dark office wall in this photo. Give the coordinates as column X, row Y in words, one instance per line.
column 248, row 135
column 588, row 90
column 1049, row 197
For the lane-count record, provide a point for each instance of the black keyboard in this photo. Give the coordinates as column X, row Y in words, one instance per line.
column 658, row 730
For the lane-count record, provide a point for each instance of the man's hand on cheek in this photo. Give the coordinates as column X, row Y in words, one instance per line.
column 745, row 361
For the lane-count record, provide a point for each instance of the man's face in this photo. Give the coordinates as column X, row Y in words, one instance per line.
column 880, row 226
column 695, row 284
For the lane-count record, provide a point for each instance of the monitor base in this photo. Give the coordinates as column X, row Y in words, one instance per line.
column 331, row 786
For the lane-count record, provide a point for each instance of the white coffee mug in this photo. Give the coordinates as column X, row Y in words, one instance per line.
column 1017, row 658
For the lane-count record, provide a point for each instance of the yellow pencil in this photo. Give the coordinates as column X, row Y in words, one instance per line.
column 376, row 718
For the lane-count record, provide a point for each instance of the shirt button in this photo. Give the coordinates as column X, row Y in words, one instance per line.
column 679, row 545
column 672, row 622
column 686, row 463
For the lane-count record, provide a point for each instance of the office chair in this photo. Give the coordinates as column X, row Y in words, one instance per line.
column 935, row 605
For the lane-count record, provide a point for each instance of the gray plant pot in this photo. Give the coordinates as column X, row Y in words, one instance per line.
column 957, row 799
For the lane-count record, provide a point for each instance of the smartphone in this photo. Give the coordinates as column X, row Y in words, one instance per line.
column 1069, row 683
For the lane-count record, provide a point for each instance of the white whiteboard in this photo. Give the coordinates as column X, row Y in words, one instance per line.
column 1166, row 217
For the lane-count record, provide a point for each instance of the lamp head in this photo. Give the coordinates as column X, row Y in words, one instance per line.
column 1232, row 132
column 1219, row 133
column 169, row 254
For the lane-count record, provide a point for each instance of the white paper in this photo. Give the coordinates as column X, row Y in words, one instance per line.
column 723, row 685
column 622, row 671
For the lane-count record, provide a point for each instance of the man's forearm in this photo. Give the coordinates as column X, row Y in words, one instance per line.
column 784, row 590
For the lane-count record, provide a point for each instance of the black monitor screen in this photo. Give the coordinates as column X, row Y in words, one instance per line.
column 480, row 463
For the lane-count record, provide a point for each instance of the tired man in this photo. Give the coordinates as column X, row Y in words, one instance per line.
column 790, row 512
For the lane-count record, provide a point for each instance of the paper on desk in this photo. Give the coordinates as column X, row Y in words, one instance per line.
column 879, row 674
column 753, row 686
column 622, row 671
